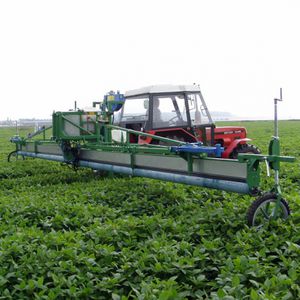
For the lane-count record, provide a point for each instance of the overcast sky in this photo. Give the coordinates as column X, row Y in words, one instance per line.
column 240, row 52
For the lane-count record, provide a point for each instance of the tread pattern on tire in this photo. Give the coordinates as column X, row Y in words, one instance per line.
column 245, row 148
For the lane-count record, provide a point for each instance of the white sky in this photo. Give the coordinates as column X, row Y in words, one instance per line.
column 240, row 52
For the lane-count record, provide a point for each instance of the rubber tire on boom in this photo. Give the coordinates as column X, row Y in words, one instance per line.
column 244, row 148
column 14, row 155
column 263, row 207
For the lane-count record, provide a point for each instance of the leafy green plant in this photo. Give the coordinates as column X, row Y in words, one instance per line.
column 77, row 235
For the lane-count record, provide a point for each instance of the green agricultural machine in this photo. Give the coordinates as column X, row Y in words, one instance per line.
column 90, row 139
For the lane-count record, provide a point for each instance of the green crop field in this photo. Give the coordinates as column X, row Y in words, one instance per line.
column 77, row 235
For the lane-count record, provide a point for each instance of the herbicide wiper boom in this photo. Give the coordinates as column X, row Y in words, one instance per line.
column 89, row 139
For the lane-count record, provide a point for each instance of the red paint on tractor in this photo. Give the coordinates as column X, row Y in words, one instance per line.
column 228, row 136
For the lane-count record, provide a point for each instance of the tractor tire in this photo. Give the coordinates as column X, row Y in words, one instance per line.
column 262, row 209
column 244, row 148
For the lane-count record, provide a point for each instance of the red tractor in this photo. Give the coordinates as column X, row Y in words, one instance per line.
column 180, row 113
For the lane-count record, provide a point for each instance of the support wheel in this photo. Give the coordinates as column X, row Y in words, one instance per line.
column 14, row 156
column 244, row 148
column 263, row 209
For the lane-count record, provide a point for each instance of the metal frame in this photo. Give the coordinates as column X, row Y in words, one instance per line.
column 252, row 178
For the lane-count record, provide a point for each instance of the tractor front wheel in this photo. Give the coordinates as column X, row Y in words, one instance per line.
column 244, row 148
column 262, row 210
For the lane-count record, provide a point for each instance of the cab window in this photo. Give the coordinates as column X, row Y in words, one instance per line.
column 135, row 109
column 169, row 111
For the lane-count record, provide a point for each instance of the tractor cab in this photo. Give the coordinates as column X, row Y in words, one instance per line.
column 165, row 110
column 177, row 112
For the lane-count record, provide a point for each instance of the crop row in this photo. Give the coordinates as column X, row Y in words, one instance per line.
column 79, row 235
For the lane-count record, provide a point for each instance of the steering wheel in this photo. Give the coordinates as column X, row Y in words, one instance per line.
column 173, row 121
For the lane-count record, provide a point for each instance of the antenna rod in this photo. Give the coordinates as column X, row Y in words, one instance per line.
column 276, row 137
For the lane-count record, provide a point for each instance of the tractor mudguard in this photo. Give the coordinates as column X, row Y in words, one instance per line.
column 233, row 145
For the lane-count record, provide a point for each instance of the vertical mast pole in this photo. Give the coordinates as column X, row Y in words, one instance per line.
column 276, row 115
column 276, row 134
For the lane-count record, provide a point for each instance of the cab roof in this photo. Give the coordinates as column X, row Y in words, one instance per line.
column 162, row 88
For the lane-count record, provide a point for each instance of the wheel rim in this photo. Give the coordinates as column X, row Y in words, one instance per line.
column 266, row 210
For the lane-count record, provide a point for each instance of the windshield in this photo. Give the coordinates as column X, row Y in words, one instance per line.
column 198, row 110
column 135, row 109
column 169, row 111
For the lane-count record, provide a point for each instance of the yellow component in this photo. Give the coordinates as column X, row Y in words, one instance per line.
column 110, row 98
column 91, row 113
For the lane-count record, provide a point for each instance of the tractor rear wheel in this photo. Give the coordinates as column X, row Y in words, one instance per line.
column 244, row 148
column 262, row 210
